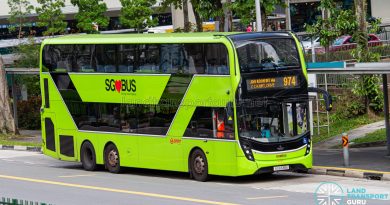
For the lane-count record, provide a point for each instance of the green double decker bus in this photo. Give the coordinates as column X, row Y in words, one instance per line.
column 227, row 104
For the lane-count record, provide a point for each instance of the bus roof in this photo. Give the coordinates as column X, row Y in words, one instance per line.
column 259, row 35
column 200, row 37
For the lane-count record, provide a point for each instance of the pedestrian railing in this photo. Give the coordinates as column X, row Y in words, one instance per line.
column 344, row 52
column 9, row 201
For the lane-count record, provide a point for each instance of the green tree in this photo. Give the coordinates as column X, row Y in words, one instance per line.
column 179, row 4
column 339, row 22
column 27, row 54
column 137, row 14
column 51, row 16
column 245, row 10
column 368, row 85
column 349, row 22
column 206, row 9
column 19, row 9
column 90, row 11
column 202, row 9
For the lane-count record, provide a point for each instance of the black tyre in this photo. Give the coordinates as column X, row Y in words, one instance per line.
column 88, row 157
column 111, row 159
column 198, row 166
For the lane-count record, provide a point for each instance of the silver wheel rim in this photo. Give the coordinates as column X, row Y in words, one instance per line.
column 199, row 165
column 112, row 158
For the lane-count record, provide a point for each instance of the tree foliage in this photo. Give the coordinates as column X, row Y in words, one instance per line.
column 19, row 10
column 51, row 16
column 245, row 10
column 340, row 22
column 27, row 54
column 354, row 23
column 90, row 11
column 137, row 14
column 368, row 86
column 209, row 9
column 7, row 123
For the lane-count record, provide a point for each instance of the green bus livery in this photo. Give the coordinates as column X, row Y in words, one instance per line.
column 227, row 104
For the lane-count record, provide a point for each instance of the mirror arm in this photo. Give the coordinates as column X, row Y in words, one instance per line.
column 325, row 94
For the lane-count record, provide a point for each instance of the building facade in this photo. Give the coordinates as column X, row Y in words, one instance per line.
column 113, row 12
column 307, row 12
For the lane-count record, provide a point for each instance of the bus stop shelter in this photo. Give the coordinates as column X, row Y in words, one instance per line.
column 11, row 72
column 382, row 69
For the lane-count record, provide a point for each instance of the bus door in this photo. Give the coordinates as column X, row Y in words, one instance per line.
column 210, row 130
column 223, row 145
column 49, row 134
column 48, row 121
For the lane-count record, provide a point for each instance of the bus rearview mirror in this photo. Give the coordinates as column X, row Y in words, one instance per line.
column 229, row 113
column 327, row 97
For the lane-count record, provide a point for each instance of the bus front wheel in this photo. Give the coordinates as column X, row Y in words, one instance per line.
column 111, row 159
column 88, row 157
column 198, row 165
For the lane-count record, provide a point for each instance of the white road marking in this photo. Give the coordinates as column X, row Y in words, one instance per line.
column 8, row 154
column 79, row 175
column 8, row 160
column 267, row 197
column 371, row 187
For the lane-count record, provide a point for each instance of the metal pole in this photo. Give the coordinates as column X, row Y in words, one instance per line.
column 327, row 112
column 386, row 110
column 258, row 16
column 288, row 16
column 313, row 52
column 345, row 149
column 15, row 100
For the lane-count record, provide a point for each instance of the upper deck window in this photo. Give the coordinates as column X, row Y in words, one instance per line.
column 257, row 55
column 196, row 58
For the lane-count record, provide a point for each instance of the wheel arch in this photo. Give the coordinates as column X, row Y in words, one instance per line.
column 81, row 146
column 104, row 148
column 189, row 156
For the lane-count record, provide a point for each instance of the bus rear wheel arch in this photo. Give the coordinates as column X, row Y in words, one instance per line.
column 88, row 156
column 198, row 165
column 111, row 158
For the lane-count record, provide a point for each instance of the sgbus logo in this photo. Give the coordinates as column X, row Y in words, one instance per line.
column 123, row 85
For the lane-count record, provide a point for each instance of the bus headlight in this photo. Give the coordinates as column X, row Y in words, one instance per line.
column 247, row 151
column 307, row 141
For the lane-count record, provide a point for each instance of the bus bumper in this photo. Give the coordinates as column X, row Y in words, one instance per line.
column 299, row 164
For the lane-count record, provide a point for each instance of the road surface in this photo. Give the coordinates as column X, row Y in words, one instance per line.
column 34, row 177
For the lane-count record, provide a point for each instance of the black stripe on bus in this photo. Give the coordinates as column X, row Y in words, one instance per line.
column 138, row 118
column 46, row 92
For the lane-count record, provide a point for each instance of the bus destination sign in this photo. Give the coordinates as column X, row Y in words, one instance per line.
column 272, row 83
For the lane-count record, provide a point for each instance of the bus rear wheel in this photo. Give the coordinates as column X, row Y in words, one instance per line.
column 111, row 159
column 199, row 166
column 88, row 157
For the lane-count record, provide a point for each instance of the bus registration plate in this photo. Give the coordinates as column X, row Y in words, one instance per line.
column 282, row 168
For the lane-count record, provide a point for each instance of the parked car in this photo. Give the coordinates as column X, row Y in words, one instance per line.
column 344, row 43
column 306, row 42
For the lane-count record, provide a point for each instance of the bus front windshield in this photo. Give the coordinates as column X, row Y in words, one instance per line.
column 267, row 54
column 272, row 120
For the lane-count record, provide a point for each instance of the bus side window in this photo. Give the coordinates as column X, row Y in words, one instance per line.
column 209, row 122
column 216, row 55
column 126, row 55
column 149, row 58
column 201, row 124
column 221, row 128
column 106, row 58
